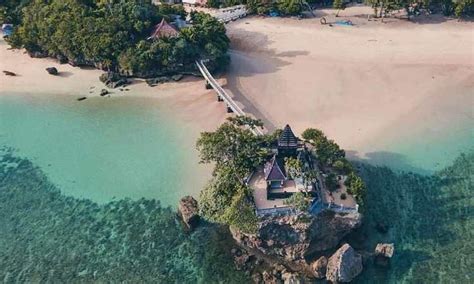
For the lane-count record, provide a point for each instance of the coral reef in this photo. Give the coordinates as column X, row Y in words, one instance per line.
column 49, row 237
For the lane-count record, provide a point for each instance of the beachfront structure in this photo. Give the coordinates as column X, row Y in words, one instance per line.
column 163, row 29
column 272, row 184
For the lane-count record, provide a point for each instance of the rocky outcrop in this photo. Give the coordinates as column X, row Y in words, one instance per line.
column 318, row 267
column 188, row 210
column 113, row 80
column 290, row 278
column 104, row 92
column 52, row 71
column 292, row 238
column 177, row 77
column 158, row 80
column 344, row 265
column 383, row 254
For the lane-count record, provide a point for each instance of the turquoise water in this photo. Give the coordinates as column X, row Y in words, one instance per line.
column 104, row 148
column 66, row 167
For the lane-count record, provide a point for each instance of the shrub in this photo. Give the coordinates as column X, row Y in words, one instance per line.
column 343, row 196
column 331, row 182
column 298, row 201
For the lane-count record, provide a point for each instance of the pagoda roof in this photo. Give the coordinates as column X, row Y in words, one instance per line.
column 287, row 138
column 274, row 170
column 163, row 29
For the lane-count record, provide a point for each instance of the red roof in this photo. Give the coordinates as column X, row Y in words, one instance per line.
column 164, row 29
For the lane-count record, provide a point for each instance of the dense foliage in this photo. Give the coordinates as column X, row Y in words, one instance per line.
column 458, row 8
column 333, row 157
column 282, row 7
column 113, row 35
column 236, row 152
column 298, row 201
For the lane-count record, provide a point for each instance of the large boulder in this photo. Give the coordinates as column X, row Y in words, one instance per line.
column 52, row 71
column 291, row 238
column 344, row 265
column 383, row 254
column 318, row 267
column 290, row 278
column 188, row 210
column 113, row 80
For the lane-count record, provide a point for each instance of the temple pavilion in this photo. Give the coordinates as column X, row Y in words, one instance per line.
column 271, row 183
column 163, row 29
column 279, row 183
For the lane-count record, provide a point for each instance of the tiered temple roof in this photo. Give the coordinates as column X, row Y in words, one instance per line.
column 163, row 29
column 287, row 139
column 274, row 170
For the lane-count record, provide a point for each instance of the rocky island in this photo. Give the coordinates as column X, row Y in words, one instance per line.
column 290, row 203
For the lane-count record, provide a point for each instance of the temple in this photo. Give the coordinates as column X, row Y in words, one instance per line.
column 273, row 183
column 163, row 29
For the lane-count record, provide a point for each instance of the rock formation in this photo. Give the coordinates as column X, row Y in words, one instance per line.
column 104, row 92
column 291, row 238
column 344, row 265
column 318, row 267
column 113, row 80
column 383, row 254
column 52, row 71
column 188, row 210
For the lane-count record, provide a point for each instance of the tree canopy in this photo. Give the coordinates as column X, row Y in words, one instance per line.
column 236, row 152
column 113, row 35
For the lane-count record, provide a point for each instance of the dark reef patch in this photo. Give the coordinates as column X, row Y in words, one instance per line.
column 428, row 217
column 48, row 237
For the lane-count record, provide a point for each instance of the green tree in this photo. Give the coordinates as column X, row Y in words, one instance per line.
column 342, row 166
column 232, row 145
column 356, row 187
column 293, row 167
column 331, row 182
column 241, row 212
column 464, row 8
column 338, row 5
column 298, row 201
column 289, row 7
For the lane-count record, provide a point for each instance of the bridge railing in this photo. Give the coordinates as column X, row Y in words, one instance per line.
column 222, row 93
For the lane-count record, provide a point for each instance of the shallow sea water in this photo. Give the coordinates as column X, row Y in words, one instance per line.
column 104, row 148
column 66, row 167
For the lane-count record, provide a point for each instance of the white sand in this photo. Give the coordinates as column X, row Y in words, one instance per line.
column 188, row 99
column 365, row 85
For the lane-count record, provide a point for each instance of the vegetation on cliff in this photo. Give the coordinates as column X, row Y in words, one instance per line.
column 236, row 152
column 330, row 154
column 112, row 35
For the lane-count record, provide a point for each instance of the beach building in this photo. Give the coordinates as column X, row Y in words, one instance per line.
column 163, row 29
column 272, row 184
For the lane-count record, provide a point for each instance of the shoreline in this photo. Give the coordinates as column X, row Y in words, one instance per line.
column 400, row 89
column 185, row 97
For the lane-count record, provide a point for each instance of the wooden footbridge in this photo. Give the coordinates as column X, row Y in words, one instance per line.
column 222, row 96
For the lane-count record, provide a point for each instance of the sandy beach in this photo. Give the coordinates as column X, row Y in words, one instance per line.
column 378, row 89
column 367, row 86
column 187, row 99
